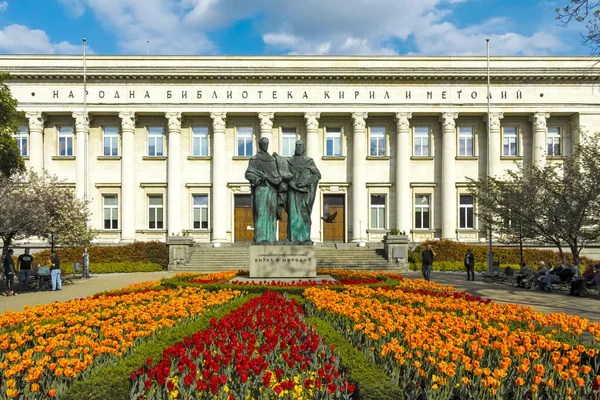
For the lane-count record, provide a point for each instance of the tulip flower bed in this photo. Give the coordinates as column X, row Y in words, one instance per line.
column 44, row 349
column 446, row 347
column 262, row 350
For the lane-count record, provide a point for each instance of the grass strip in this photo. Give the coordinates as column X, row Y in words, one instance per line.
column 113, row 381
column 371, row 382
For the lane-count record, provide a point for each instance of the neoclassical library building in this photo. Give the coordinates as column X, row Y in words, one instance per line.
column 395, row 138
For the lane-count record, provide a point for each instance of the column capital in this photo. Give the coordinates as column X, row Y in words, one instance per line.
column 539, row 120
column 127, row 120
column 174, row 121
column 312, row 119
column 266, row 120
column 36, row 120
column 448, row 120
column 358, row 119
column 495, row 118
column 402, row 121
column 82, row 121
column 218, row 119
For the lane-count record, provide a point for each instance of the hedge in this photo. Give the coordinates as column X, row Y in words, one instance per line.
column 459, row 266
column 448, row 250
column 114, row 267
column 144, row 252
column 371, row 382
column 113, row 381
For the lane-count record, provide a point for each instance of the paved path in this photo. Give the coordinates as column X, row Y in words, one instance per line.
column 541, row 301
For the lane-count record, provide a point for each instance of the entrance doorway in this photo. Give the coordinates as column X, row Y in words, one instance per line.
column 333, row 218
column 243, row 220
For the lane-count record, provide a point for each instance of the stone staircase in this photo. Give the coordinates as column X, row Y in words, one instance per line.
column 237, row 257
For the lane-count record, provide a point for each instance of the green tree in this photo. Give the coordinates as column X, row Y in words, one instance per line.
column 11, row 161
column 557, row 205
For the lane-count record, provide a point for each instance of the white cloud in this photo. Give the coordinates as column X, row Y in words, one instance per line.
column 19, row 39
column 75, row 8
column 3, row 6
column 309, row 26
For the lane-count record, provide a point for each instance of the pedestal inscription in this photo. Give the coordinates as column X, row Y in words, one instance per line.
column 282, row 261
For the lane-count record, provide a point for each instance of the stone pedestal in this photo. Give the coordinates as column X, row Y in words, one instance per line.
column 285, row 261
column 180, row 250
column 396, row 250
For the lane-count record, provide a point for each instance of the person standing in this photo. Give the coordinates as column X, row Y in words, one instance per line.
column 427, row 262
column 24, row 263
column 85, row 262
column 9, row 272
column 55, row 272
column 470, row 265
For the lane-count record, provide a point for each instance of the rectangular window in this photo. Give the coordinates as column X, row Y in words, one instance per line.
column 288, row 141
column 200, row 141
column 377, row 211
column 465, row 141
column 200, row 212
column 21, row 138
column 155, row 212
column 509, row 141
column 65, row 141
column 422, row 211
column 110, row 139
column 333, row 139
column 421, row 141
column 554, row 139
column 111, row 211
column 155, row 141
column 244, row 141
column 466, row 211
column 377, row 141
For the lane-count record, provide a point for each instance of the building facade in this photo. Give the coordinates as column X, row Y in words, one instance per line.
column 395, row 138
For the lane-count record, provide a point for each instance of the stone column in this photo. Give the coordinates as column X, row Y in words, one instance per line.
column 403, row 193
column 266, row 126
column 82, row 124
column 128, row 210
column 219, row 204
column 36, row 141
column 448, row 175
column 574, row 125
column 359, row 183
column 538, row 120
column 312, row 151
column 495, row 143
column 174, row 174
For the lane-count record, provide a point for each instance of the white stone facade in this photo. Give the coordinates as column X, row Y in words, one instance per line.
column 404, row 133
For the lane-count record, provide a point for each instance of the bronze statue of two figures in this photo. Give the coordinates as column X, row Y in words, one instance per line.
column 278, row 184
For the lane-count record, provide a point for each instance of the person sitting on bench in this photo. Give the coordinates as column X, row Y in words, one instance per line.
column 557, row 275
column 586, row 277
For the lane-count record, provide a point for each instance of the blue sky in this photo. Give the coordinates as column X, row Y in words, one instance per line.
column 272, row 27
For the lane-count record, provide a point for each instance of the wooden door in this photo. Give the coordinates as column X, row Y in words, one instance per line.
column 283, row 226
column 243, row 220
column 333, row 227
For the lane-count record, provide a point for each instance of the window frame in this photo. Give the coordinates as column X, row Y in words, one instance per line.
column 467, row 207
column 517, row 140
column 561, row 140
column 201, row 207
column 421, row 207
column 282, row 138
column 250, row 142
column 384, row 138
column 381, row 225
column 162, row 140
column 429, row 140
column 65, row 136
column 113, row 209
column 195, row 136
column 116, row 138
column 473, row 140
column 327, row 128
column 156, row 208
column 21, row 136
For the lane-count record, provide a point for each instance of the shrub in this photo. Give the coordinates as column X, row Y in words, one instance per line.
column 145, row 252
column 459, row 266
column 448, row 250
column 115, row 267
